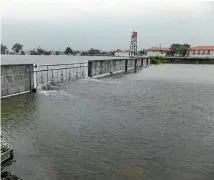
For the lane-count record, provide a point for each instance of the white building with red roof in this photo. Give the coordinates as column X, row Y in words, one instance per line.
column 201, row 51
column 157, row 51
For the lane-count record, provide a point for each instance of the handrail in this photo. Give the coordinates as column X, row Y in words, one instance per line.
column 59, row 68
column 60, row 64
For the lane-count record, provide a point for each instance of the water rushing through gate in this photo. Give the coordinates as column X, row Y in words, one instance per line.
column 156, row 124
column 60, row 73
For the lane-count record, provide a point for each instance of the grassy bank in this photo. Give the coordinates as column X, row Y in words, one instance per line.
column 159, row 60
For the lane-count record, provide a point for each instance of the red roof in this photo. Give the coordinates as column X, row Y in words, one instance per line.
column 198, row 48
column 159, row 49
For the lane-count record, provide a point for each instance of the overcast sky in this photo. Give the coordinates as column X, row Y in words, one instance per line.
column 106, row 24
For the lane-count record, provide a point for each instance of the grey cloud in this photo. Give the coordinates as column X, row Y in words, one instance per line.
column 107, row 32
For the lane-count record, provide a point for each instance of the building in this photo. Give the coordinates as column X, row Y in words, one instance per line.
column 157, row 51
column 201, row 51
column 120, row 53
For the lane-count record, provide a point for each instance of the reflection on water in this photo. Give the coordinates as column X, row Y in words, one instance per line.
column 150, row 125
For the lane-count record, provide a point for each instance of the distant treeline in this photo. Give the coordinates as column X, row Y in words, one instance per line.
column 18, row 49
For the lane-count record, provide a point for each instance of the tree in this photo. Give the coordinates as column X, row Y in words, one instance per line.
column 3, row 49
column 17, row 47
column 104, row 53
column 40, row 51
column 84, row 53
column 142, row 52
column 22, row 52
column 93, row 51
column 184, row 49
column 57, row 53
column 33, row 52
column 175, row 49
column 68, row 50
column 47, row 52
column 76, row 52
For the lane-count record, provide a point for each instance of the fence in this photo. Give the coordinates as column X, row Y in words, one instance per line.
column 100, row 68
column 59, row 73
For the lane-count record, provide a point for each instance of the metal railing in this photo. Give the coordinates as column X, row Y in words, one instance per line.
column 59, row 73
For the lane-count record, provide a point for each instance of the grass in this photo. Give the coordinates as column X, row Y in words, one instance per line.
column 159, row 60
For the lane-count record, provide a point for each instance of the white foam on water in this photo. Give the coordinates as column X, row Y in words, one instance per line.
column 58, row 93
column 106, row 80
column 47, row 93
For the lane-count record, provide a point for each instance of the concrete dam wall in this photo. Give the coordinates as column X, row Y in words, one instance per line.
column 100, row 68
column 16, row 79
column 22, row 78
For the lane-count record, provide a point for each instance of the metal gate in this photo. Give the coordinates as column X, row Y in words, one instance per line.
column 60, row 73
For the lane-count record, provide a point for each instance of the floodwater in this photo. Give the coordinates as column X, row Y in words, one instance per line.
column 52, row 59
column 157, row 124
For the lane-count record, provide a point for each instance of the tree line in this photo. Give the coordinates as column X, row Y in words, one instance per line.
column 175, row 49
column 180, row 49
column 18, row 49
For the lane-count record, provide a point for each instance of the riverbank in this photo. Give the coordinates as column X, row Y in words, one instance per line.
column 182, row 60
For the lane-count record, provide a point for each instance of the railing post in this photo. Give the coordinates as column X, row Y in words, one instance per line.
column 34, row 74
column 30, row 71
column 52, row 76
column 126, row 65
column 62, row 78
column 66, row 74
column 135, row 65
column 47, row 74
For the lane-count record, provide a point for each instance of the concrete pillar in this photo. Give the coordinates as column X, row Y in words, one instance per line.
column 34, row 74
column 135, row 65
column 126, row 65
column 141, row 62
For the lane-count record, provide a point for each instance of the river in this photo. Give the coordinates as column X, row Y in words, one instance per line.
column 156, row 124
column 52, row 59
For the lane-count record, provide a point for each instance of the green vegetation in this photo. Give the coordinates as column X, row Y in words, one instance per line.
column 142, row 52
column 68, row 51
column 3, row 49
column 93, row 51
column 17, row 47
column 39, row 51
column 159, row 60
column 180, row 49
column 176, row 50
column 22, row 52
column 57, row 53
column 33, row 52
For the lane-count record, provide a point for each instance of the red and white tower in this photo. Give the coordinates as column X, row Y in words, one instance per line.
column 133, row 44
